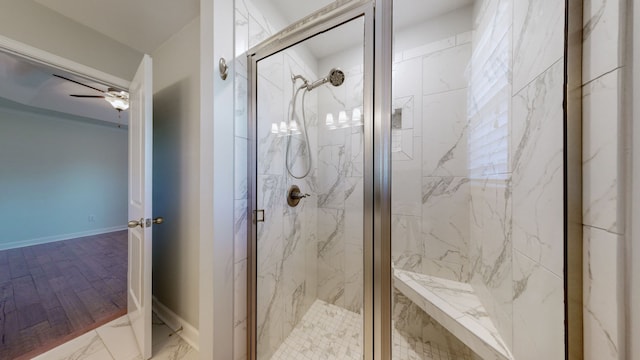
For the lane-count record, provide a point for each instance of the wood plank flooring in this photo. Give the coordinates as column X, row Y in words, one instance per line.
column 52, row 292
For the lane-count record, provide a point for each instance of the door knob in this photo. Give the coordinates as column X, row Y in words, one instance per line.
column 159, row 220
column 135, row 223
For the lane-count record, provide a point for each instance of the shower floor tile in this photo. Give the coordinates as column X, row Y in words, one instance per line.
column 329, row 332
column 325, row 332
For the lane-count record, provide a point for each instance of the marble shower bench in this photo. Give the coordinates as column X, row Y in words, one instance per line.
column 456, row 307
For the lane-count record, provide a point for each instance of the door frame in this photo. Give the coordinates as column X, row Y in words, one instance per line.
column 58, row 62
column 216, row 262
column 377, row 162
column 61, row 63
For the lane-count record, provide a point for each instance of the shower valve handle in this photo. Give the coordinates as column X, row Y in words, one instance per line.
column 298, row 195
column 294, row 195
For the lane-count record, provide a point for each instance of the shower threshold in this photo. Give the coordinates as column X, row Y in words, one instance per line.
column 457, row 308
column 329, row 332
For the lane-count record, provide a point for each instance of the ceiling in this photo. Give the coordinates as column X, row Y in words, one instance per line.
column 406, row 13
column 344, row 37
column 143, row 25
column 34, row 85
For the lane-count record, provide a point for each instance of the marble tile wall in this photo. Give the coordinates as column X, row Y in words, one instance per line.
column 340, row 187
column 241, row 18
column 508, row 240
column 287, row 235
column 500, row 161
column 537, row 179
column 603, row 76
column 430, row 187
column 287, row 243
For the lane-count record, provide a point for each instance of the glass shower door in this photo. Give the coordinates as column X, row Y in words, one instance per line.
column 309, row 164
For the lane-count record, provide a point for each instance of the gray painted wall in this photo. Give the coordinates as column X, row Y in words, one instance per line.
column 55, row 172
column 176, row 172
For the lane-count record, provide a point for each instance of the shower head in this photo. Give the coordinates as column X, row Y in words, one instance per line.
column 335, row 77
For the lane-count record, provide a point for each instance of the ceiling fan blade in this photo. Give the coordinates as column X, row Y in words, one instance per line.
column 77, row 82
column 88, row 96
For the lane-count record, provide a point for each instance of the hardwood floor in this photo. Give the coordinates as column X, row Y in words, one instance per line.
column 53, row 292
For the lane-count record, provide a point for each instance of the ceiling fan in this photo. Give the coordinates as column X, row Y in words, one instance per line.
column 118, row 99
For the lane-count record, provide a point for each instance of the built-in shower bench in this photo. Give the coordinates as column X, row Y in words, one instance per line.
column 457, row 308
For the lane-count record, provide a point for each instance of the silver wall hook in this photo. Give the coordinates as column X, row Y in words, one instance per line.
column 224, row 69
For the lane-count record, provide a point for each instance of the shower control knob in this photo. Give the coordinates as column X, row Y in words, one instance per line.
column 294, row 195
column 298, row 195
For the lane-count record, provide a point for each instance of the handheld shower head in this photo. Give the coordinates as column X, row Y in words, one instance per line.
column 335, row 77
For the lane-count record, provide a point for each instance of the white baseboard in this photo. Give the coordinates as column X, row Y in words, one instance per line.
column 49, row 239
column 188, row 333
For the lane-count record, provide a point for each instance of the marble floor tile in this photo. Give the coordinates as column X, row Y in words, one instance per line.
column 169, row 345
column 329, row 332
column 118, row 337
column 115, row 341
column 85, row 347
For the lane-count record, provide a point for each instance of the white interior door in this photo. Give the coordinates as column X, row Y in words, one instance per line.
column 140, row 230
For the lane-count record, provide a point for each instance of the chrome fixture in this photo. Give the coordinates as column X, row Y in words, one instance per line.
column 336, row 78
column 294, row 196
column 145, row 223
column 135, row 223
column 223, row 68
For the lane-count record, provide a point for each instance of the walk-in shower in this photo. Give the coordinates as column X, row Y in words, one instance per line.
column 416, row 207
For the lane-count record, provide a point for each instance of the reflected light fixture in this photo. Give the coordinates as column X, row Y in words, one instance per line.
column 293, row 128
column 283, row 128
column 356, row 117
column 329, row 121
column 342, row 118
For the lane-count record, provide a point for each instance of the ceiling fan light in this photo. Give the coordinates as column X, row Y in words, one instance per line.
column 118, row 99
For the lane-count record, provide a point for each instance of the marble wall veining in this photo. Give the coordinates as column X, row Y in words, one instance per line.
column 241, row 29
column 538, row 229
column 430, row 182
column 430, row 162
column 287, row 239
column 477, row 169
column 340, row 184
column 521, row 251
column 288, row 236
column 493, row 172
column 490, row 208
column 311, row 251
column 604, row 73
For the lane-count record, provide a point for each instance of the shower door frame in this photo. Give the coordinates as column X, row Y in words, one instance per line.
column 377, row 161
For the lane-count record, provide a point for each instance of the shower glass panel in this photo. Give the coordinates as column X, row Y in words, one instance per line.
column 477, row 186
column 309, row 193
